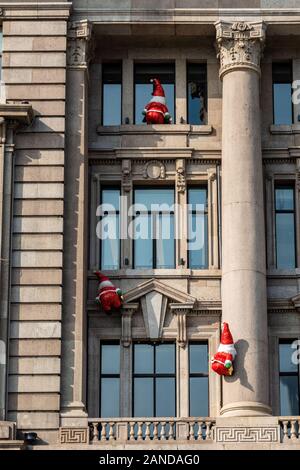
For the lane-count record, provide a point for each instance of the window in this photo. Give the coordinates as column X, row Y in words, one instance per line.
column 285, row 226
column 1, row 49
column 143, row 88
column 154, row 244
column 282, row 93
column 154, row 380
column 197, row 227
column 289, row 379
column 197, row 93
column 111, row 94
column 109, row 380
column 198, row 379
column 110, row 229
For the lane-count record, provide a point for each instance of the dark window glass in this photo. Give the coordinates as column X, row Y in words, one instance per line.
column 143, row 73
column 197, row 93
column 285, row 226
column 198, row 379
column 289, row 379
column 111, row 94
column 154, row 245
column 154, row 380
column 282, row 93
column 110, row 229
column 198, row 228
column 110, row 380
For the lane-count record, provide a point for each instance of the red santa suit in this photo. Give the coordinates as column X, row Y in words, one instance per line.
column 108, row 296
column 222, row 361
column 156, row 111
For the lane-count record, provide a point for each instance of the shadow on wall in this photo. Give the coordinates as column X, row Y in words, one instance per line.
column 242, row 347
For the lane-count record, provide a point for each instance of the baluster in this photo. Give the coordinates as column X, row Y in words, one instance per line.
column 140, row 431
column 293, row 430
column 208, row 430
column 192, row 431
column 103, row 432
column 147, row 432
column 163, row 431
column 171, row 431
column 155, row 431
column 111, row 431
column 95, row 437
column 131, row 433
column 285, row 430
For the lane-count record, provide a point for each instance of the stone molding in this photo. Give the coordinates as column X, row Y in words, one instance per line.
column 239, row 45
column 247, row 434
column 80, row 47
column 74, row 435
column 127, row 311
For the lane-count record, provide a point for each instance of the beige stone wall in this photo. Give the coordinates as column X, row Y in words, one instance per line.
column 34, row 70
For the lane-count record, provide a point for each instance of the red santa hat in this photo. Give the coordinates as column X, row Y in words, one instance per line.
column 158, row 92
column 104, row 281
column 227, row 343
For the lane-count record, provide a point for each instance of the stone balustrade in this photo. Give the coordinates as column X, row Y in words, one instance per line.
column 290, row 428
column 136, row 430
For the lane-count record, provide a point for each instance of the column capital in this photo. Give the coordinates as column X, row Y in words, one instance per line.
column 80, row 44
column 239, row 45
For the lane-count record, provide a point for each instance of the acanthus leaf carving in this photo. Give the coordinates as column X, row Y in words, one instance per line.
column 239, row 45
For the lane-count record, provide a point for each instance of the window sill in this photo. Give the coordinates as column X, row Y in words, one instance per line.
column 165, row 273
column 285, row 129
column 273, row 272
column 174, row 129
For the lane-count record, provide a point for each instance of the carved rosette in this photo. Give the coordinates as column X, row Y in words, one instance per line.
column 80, row 44
column 240, row 45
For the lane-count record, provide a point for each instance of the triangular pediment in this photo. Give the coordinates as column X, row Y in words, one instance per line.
column 296, row 301
column 151, row 285
column 154, row 296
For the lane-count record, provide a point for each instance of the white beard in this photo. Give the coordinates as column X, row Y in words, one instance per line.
column 227, row 348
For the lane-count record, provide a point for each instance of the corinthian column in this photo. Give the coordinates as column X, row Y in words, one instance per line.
column 75, row 250
column 244, row 299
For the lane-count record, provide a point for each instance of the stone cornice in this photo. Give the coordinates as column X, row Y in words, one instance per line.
column 34, row 10
column 239, row 45
column 21, row 113
column 194, row 15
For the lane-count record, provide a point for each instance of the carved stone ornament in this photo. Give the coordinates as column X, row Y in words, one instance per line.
column 80, row 44
column 155, row 170
column 73, row 435
column 126, row 175
column 240, row 45
column 180, row 175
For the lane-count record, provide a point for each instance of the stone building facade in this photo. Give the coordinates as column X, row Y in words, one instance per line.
column 57, row 155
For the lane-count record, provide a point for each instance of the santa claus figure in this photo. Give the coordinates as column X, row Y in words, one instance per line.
column 156, row 111
column 222, row 362
column 109, row 296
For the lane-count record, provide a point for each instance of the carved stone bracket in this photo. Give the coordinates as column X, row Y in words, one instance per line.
column 80, row 44
column 240, row 45
column 127, row 311
column 126, row 175
column 180, row 175
column 181, row 310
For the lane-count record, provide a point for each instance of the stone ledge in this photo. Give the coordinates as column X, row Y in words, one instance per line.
column 17, row 112
column 285, row 129
column 174, row 129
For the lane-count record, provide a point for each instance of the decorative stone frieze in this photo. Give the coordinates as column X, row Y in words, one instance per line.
column 80, row 44
column 74, row 435
column 239, row 45
column 247, row 434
